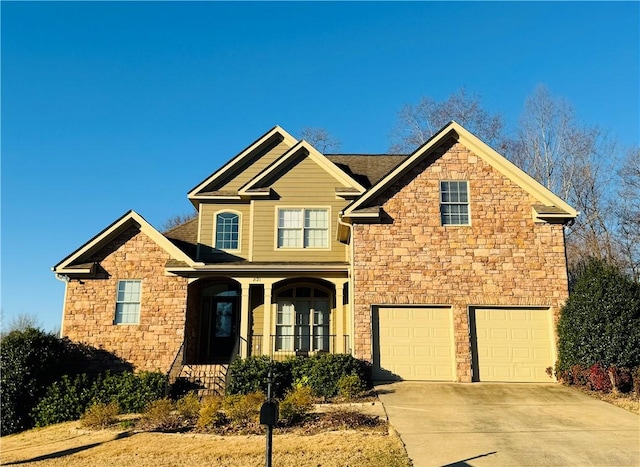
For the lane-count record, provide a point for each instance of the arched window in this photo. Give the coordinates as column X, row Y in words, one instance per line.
column 227, row 228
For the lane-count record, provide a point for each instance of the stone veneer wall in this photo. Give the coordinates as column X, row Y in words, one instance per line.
column 90, row 304
column 502, row 258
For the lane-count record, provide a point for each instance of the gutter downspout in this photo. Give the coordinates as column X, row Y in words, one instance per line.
column 63, row 278
column 351, row 324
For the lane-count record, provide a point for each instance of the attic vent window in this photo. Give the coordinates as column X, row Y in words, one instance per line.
column 454, row 202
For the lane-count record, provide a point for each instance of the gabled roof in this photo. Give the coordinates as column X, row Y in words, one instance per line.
column 76, row 262
column 259, row 184
column 209, row 185
column 367, row 169
column 185, row 236
column 362, row 207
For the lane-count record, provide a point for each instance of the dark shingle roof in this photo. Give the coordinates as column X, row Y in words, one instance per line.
column 367, row 169
column 185, row 236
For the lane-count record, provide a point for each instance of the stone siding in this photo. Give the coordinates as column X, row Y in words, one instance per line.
column 90, row 304
column 503, row 258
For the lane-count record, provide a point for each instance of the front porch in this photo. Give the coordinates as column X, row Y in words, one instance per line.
column 227, row 317
column 278, row 316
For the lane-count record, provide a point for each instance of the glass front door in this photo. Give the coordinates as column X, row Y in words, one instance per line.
column 219, row 329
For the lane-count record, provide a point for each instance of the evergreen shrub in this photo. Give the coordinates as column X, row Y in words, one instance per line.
column 600, row 323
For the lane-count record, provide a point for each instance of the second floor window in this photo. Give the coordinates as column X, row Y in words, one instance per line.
column 454, row 203
column 227, row 227
column 303, row 228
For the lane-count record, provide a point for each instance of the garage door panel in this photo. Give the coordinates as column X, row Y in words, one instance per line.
column 415, row 344
column 513, row 344
column 517, row 334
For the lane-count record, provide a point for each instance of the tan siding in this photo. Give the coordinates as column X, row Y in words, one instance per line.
column 255, row 168
column 305, row 185
column 207, row 227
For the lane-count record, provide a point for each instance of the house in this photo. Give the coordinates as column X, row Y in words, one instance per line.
column 447, row 264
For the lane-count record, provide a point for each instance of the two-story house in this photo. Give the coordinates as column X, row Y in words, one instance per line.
column 446, row 264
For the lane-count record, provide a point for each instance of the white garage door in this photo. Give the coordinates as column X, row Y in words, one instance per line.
column 514, row 344
column 414, row 344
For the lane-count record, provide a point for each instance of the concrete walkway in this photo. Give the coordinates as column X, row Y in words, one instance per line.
column 491, row 424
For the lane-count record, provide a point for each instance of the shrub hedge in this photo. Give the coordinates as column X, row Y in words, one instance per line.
column 30, row 360
column 250, row 375
column 69, row 398
column 321, row 372
column 600, row 323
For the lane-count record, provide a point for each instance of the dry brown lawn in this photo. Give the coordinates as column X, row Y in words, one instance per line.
column 67, row 444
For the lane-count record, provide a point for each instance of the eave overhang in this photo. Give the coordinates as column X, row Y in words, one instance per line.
column 257, row 268
column 75, row 264
column 259, row 185
column 197, row 193
column 359, row 209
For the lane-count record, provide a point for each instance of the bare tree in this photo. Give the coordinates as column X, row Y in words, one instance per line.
column 627, row 209
column 572, row 160
column 21, row 322
column 320, row 139
column 177, row 220
column 417, row 123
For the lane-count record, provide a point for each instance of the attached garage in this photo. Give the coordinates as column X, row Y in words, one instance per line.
column 413, row 343
column 512, row 344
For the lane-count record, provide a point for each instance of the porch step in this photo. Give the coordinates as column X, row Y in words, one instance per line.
column 209, row 379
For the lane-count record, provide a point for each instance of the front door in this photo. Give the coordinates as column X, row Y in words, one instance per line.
column 219, row 329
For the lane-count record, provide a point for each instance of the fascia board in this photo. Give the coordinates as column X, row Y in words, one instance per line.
column 315, row 156
column 114, row 226
column 243, row 191
column 209, row 198
column 400, row 170
column 482, row 150
column 239, row 157
column 511, row 171
column 114, row 229
column 252, row 268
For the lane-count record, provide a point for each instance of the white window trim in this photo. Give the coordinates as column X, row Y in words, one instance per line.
column 115, row 311
column 302, row 208
column 312, row 326
column 441, row 203
column 215, row 229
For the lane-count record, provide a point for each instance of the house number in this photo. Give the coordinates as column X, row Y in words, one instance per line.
column 257, row 279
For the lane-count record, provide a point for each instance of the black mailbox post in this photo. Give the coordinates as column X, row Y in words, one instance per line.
column 269, row 416
column 269, row 413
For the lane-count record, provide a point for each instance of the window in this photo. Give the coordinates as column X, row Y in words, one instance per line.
column 227, row 226
column 454, row 203
column 302, row 321
column 128, row 302
column 303, row 228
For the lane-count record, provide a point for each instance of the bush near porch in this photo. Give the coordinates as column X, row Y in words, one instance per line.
column 321, row 372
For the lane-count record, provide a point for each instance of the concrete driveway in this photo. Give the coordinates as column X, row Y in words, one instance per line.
column 491, row 424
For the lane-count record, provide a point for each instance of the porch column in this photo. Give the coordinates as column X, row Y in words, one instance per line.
column 339, row 317
column 244, row 320
column 266, row 324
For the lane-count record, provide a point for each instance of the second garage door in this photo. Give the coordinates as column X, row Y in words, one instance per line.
column 414, row 343
column 513, row 344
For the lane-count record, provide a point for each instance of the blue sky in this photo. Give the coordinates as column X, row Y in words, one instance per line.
column 108, row 107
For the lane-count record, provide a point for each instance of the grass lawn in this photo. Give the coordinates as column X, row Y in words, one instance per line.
column 67, row 444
